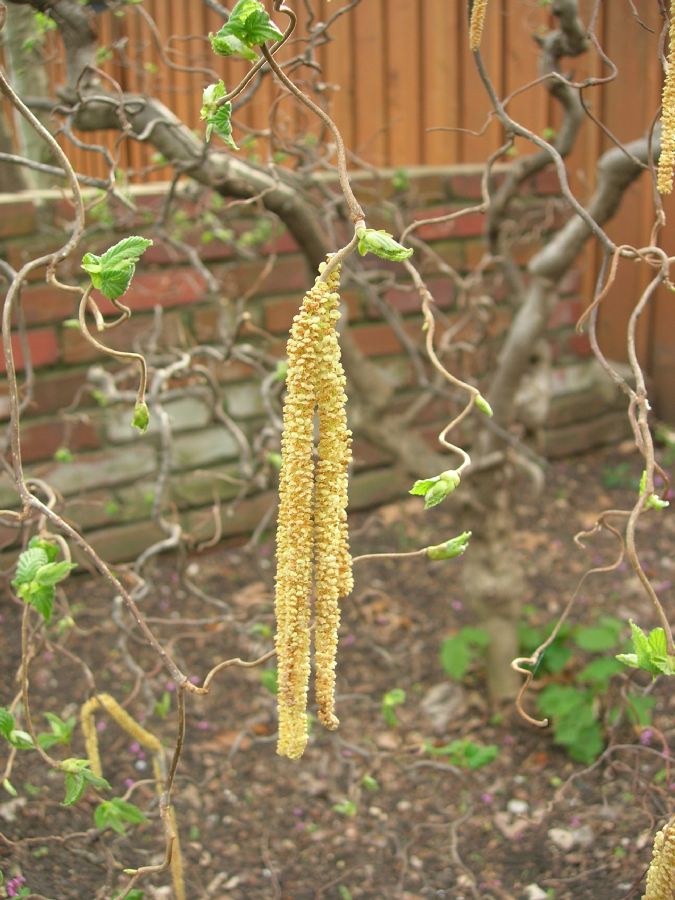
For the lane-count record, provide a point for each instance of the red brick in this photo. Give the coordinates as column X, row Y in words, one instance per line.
column 547, row 182
column 39, row 441
column 44, row 303
column 466, row 185
column 579, row 344
column 469, row 225
column 565, row 313
column 289, row 275
column 42, row 345
column 76, row 349
column 17, row 217
column 376, row 340
column 56, row 391
column 173, row 287
column 409, row 301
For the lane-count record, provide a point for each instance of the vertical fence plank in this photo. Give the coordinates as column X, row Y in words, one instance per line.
column 370, row 94
column 441, row 80
column 475, row 103
column 404, row 82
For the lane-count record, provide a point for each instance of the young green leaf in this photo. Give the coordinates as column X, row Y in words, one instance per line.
column 382, row 244
column 117, row 814
column 112, row 272
column 29, row 563
column 74, row 785
column 61, row 731
column 436, row 489
column 224, row 43
column 6, row 722
column 54, row 572
column 651, row 652
column 50, row 548
column 40, row 597
column 451, row 548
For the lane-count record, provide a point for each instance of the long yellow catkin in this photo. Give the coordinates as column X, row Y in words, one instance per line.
column 477, row 23
column 664, row 172
column 333, row 576
column 311, row 525
column 661, row 874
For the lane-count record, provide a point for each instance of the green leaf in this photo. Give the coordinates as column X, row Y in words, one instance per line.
column 225, row 43
column 20, row 739
column 40, row 597
column 382, row 244
column 6, row 722
column 129, row 249
column 221, row 123
column 77, row 777
column 393, row 698
column 455, row 656
column 12, row 791
column 477, row 637
column 595, row 639
column 28, row 564
column 370, row 783
column 141, row 418
column 211, row 95
column 112, row 272
column 163, row 706
column 75, row 785
column 600, row 671
column 650, row 652
column 465, row 753
column 251, row 24
column 345, row 808
column 54, row 572
column 117, row 814
column 423, row 486
column 50, row 548
column 436, row 489
column 61, row 731
column 451, row 548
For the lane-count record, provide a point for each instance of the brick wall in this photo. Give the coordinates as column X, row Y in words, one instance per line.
column 106, row 479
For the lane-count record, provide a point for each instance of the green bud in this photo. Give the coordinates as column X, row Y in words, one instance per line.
column 451, row 548
column 382, row 244
column 483, row 405
column 141, row 418
column 655, row 502
column 210, row 97
column 436, row 489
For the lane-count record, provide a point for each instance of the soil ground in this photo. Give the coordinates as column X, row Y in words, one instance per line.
column 370, row 811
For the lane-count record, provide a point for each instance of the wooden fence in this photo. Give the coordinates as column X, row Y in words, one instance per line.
column 399, row 80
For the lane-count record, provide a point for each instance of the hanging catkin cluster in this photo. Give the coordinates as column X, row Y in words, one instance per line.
column 312, row 540
column 661, row 874
column 664, row 175
column 477, row 23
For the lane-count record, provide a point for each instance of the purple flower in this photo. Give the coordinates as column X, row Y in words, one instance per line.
column 129, row 782
column 135, row 747
column 457, row 605
column 12, row 887
column 101, row 725
column 646, row 736
column 487, row 798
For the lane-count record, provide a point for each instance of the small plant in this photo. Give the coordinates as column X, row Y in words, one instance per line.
column 390, row 701
column 459, row 651
column 465, row 753
column 38, row 573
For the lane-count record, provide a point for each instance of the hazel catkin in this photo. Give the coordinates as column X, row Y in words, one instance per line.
column 664, row 172
column 312, row 543
column 661, row 874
